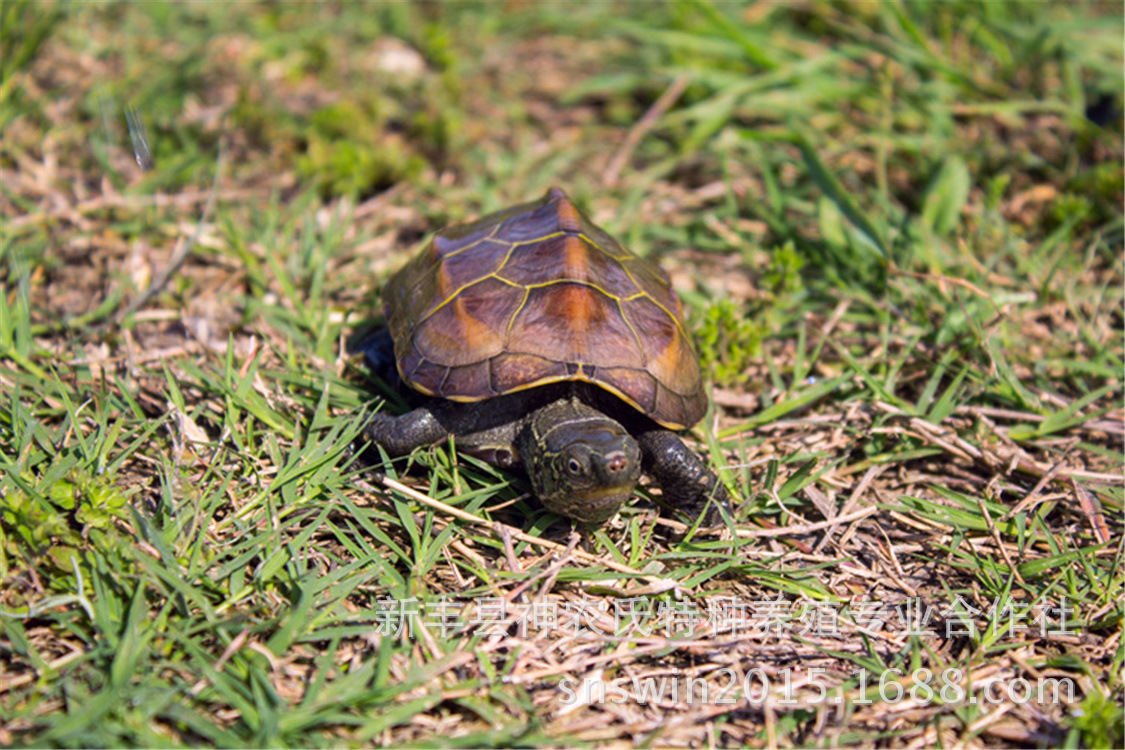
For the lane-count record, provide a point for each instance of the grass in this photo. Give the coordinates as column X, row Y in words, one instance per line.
column 897, row 230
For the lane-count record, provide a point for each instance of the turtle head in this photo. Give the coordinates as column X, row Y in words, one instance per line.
column 583, row 466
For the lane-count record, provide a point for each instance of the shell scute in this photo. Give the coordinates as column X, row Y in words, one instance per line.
column 467, row 382
column 537, row 294
column 528, row 226
column 459, row 333
column 640, row 386
column 513, row 371
column 462, row 269
column 574, row 323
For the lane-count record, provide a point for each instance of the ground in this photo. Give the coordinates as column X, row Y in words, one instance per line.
column 897, row 232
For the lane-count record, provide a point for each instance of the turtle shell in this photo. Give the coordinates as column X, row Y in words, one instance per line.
column 537, row 294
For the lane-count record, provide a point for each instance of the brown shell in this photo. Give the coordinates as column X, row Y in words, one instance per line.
column 537, row 294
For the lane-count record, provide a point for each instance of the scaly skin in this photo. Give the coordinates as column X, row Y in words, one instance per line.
column 541, row 429
column 689, row 484
column 582, row 464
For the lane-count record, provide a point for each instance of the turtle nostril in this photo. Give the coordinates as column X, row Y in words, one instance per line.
column 616, row 463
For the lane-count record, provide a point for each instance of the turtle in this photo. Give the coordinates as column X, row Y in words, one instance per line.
column 542, row 344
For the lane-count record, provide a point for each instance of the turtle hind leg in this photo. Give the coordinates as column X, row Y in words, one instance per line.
column 378, row 349
column 688, row 483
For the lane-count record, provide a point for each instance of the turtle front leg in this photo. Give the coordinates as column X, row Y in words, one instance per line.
column 689, row 484
column 400, row 435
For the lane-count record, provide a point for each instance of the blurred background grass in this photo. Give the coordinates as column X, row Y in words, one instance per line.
column 872, row 136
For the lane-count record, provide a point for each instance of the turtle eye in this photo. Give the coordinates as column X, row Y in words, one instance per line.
column 574, row 466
